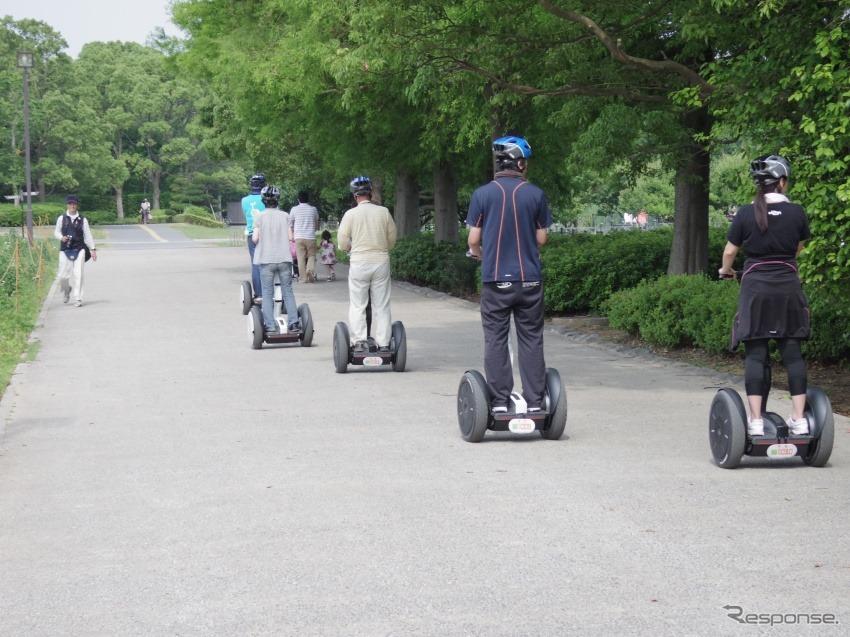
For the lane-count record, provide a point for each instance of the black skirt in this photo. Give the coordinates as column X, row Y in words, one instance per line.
column 771, row 304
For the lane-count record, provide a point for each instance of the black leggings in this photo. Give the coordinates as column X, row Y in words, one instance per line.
column 758, row 356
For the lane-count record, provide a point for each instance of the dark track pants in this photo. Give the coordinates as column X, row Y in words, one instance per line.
column 525, row 302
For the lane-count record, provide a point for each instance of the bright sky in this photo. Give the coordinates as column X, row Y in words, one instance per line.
column 82, row 21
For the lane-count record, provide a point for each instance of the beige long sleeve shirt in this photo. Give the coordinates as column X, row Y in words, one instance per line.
column 367, row 232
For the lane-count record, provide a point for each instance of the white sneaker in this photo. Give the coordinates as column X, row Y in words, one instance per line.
column 755, row 427
column 798, row 427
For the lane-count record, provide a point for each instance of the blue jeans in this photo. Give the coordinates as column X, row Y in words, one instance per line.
column 255, row 269
column 267, row 275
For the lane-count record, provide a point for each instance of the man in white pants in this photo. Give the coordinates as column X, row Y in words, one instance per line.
column 75, row 238
column 367, row 232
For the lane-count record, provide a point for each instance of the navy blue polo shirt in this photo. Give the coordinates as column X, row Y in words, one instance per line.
column 509, row 211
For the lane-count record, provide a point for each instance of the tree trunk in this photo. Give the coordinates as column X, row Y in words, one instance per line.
column 445, row 203
column 41, row 188
column 689, row 253
column 154, row 179
column 406, row 204
column 119, row 202
column 378, row 190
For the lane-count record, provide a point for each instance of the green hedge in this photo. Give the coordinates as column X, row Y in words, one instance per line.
column 42, row 214
column 697, row 311
column 830, row 338
column 581, row 271
column 440, row 266
column 677, row 311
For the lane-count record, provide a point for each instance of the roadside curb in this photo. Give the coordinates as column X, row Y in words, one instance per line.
column 8, row 401
column 592, row 340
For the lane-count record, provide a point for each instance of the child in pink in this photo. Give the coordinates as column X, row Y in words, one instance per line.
column 294, row 258
column 328, row 254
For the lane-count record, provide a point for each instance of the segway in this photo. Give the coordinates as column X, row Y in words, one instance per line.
column 344, row 354
column 258, row 335
column 246, row 297
column 475, row 418
column 729, row 440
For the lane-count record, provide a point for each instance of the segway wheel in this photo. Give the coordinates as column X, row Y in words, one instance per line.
column 727, row 430
column 555, row 402
column 341, row 348
column 247, row 297
column 306, row 319
column 256, row 331
column 473, row 406
column 819, row 414
column 398, row 346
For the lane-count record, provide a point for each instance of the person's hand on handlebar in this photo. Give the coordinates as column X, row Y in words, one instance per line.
column 727, row 273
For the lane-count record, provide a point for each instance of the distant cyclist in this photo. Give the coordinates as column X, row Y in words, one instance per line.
column 145, row 211
column 771, row 303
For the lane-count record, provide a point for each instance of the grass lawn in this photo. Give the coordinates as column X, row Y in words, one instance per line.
column 202, row 232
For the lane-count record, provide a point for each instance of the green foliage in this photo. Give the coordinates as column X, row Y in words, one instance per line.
column 24, row 283
column 441, row 266
column 197, row 211
column 830, row 337
column 652, row 192
column 695, row 311
column 800, row 112
column 581, row 271
column 676, row 311
column 42, row 214
column 100, row 217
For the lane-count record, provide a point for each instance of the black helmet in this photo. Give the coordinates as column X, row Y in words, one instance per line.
column 769, row 169
column 257, row 181
column 271, row 196
column 361, row 185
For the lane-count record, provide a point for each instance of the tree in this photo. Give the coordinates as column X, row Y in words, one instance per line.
column 49, row 73
column 789, row 93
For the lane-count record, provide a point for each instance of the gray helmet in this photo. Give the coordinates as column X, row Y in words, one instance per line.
column 769, row 169
column 271, row 196
column 360, row 185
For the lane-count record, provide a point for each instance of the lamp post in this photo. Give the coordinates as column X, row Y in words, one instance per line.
column 25, row 62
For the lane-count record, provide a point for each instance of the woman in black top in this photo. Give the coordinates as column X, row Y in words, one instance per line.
column 771, row 303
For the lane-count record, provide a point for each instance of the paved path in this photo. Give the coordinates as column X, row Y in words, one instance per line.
column 159, row 477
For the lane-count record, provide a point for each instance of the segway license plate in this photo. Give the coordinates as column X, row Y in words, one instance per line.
column 521, row 425
column 781, row 451
column 373, row 360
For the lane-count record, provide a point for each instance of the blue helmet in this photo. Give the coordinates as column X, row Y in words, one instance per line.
column 511, row 148
column 257, row 181
column 361, row 185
